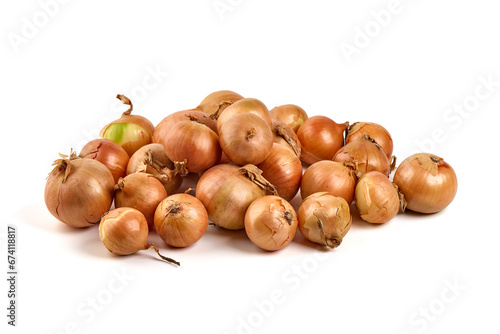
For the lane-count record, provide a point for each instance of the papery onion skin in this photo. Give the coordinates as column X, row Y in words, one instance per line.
column 226, row 192
column 218, row 101
column 79, row 191
column 377, row 198
column 290, row 114
column 366, row 154
column 246, row 139
column 284, row 135
column 166, row 124
column 271, row 222
column 283, row 169
column 324, row 219
column 109, row 153
column 246, row 105
column 181, row 220
column 140, row 191
column 321, row 138
column 375, row 131
column 335, row 178
column 429, row 183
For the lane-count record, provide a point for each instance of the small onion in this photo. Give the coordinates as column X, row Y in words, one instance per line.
column 377, row 198
column 181, row 220
column 153, row 160
column 216, row 102
column 284, row 135
column 283, row 169
column 336, row 178
column 320, row 137
column 271, row 222
column 324, row 219
column 429, row 184
column 140, row 191
column 109, row 153
column 129, row 131
column 374, row 130
column 366, row 154
column 79, row 191
column 246, row 139
column 290, row 114
column 247, row 105
column 227, row 190
column 124, row 231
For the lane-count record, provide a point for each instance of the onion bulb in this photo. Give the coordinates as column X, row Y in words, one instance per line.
column 243, row 106
column 79, row 191
column 374, row 130
column 216, row 102
column 321, row 138
column 227, row 190
column 166, row 124
column 336, row 178
column 246, row 139
column 428, row 183
column 129, row 131
column 271, row 222
column 377, row 198
column 124, row 231
column 140, row 191
column 324, row 219
column 290, row 114
column 284, row 135
column 109, row 153
column 181, row 220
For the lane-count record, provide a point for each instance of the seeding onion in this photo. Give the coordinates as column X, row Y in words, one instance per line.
column 374, row 130
column 216, row 102
column 109, row 153
column 290, row 114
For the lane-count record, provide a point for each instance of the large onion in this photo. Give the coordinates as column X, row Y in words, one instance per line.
column 290, row 114
column 247, row 105
column 216, row 102
column 109, row 153
column 374, row 130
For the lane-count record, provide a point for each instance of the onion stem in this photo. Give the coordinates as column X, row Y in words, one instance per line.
column 148, row 246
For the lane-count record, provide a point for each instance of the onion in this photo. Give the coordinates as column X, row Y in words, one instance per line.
column 181, row 220
column 140, row 191
column 367, row 155
column 377, row 198
column 153, row 160
column 284, row 135
column 283, row 169
column 271, row 222
column 166, row 124
column 109, row 153
column 246, row 139
column 374, row 130
column 216, row 102
column 324, row 219
column 320, row 137
column 129, row 131
column 193, row 144
column 124, row 231
column 290, row 114
column 336, row 178
column 248, row 105
column 428, row 183
column 227, row 190
column 79, row 191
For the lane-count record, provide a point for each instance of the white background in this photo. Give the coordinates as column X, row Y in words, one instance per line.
column 58, row 83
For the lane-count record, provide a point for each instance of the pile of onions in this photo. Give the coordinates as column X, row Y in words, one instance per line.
column 243, row 106
column 428, row 183
column 79, row 191
column 290, row 114
column 336, row 178
column 109, row 153
column 366, row 154
column 375, row 131
column 227, row 190
column 216, row 102
column 283, row 169
column 321, row 138
column 284, row 135
column 129, row 131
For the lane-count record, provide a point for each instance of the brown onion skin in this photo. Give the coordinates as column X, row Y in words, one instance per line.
column 109, row 153
column 246, row 139
column 85, row 195
column 212, row 103
column 181, row 220
column 377, row 199
column 429, row 183
column 162, row 129
column 367, row 155
column 284, row 170
column 279, row 138
column 271, row 222
column 335, row 178
column 321, row 138
column 140, row 191
column 290, row 114
column 226, row 193
column 246, row 105
column 374, row 130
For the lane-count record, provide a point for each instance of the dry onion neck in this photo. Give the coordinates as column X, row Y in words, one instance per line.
column 281, row 131
column 63, row 164
column 181, row 168
column 255, row 175
column 170, row 260
column 367, row 137
column 289, row 217
column 216, row 114
column 125, row 100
